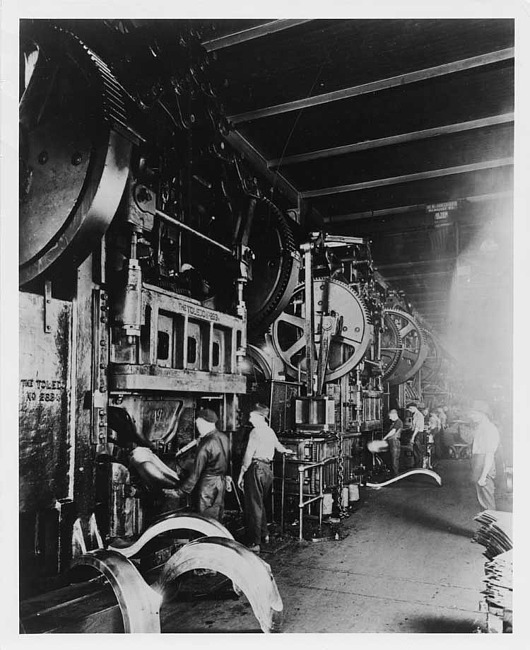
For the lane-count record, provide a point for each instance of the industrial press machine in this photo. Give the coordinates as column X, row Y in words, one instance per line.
column 159, row 274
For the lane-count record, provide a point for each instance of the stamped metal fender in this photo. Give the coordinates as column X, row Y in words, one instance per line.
column 139, row 603
column 248, row 571
column 172, row 522
column 412, row 472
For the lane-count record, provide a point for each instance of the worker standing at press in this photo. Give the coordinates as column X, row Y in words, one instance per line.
column 416, row 441
column 210, row 467
column 485, row 443
column 255, row 478
column 393, row 437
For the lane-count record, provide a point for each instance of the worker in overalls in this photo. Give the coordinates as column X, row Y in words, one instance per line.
column 255, row 478
column 416, row 441
column 210, row 467
column 485, row 443
column 393, row 437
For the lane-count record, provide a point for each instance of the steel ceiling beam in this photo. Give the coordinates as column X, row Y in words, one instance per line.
column 241, row 144
column 251, row 34
column 408, row 178
column 406, row 265
column 377, row 86
column 404, row 209
column 402, row 138
column 407, row 276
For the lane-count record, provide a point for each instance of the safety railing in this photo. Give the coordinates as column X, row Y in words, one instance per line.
column 302, row 469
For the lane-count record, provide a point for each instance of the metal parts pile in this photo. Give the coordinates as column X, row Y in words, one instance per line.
column 495, row 532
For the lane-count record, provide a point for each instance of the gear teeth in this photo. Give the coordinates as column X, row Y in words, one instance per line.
column 261, row 319
column 407, row 374
column 113, row 107
column 399, row 343
column 432, row 345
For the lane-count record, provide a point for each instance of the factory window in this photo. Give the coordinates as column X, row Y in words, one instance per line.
column 192, row 350
column 215, row 355
column 163, row 345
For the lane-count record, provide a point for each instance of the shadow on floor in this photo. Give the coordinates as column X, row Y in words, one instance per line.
column 443, row 625
column 429, row 520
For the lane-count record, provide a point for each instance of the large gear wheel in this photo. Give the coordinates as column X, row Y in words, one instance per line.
column 433, row 361
column 347, row 348
column 275, row 266
column 391, row 347
column 75, row 148
column 414, row 349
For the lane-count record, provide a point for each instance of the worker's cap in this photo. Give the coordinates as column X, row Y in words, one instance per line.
column 411, row 404
column 208, row 415
column 260, row 409
column 481, row 406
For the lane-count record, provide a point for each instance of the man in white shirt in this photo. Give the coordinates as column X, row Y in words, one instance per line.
column 256, row 476
column 485, row 443
column 393, row 437
column 418, row 425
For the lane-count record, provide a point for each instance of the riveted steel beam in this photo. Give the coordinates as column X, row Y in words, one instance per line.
column 378, row 85
column 408, row 178
column 392, row 140
column 245, row 35
column 419, row 208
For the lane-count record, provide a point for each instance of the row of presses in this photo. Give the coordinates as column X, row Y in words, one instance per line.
column 160, row 274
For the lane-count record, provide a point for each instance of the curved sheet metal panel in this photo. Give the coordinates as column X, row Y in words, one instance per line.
column 173, row 522
column 138, row 602
column 412, row 472
column 247, row 571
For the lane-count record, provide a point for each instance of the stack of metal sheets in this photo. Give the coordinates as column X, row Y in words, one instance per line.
column 495, row 532
column 499, row 581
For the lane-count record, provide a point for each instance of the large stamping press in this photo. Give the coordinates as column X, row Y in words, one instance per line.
column 160, row 274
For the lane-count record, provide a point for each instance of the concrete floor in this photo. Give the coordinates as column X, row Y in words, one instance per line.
column 406, row 565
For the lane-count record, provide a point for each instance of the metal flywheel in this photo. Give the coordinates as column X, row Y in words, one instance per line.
column 275, row 266
column 75, row 148
column 433, row 362
column 414, row 349
column 347, row 347
column 391, row 346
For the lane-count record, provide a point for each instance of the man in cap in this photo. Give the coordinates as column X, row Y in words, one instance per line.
column 393, row 437
column 210, row 467
column 485, row 443
column 418, row 425
column 255, row 477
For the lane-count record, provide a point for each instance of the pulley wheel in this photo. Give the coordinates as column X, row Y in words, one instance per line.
column 414, row 350
column 347, row 348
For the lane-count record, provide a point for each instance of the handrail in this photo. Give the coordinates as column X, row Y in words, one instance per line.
column 302, row 469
